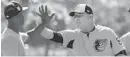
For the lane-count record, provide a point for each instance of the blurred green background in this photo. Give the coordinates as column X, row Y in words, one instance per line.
column 110, row 13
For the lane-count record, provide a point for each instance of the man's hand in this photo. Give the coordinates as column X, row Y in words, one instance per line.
column 43, row 14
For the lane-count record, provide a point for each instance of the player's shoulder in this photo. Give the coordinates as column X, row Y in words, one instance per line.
column 69, row 31
column 126, row 35
column 10, row 34
column 104, row 28
column 106, row 31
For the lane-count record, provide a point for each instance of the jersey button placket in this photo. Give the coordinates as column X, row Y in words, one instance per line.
column 85, row 43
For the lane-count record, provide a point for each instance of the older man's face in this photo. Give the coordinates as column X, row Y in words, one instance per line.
column 82, row 20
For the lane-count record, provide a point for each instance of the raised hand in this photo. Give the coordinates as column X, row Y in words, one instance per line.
column 43, row 14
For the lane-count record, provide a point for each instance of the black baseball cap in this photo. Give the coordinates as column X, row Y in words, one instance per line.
column 12, row 9
column 82, row 8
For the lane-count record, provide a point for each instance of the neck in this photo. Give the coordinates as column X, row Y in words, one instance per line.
column 14, row 27
column 88, row 31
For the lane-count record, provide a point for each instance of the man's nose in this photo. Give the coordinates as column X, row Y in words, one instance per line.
column 77, row 21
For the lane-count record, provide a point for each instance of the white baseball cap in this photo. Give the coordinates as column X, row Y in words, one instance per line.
column 81, row 8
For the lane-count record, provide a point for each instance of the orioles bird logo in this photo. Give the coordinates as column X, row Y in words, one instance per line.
column 100, row 44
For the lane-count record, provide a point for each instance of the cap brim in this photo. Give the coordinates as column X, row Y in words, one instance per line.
column 72, row 13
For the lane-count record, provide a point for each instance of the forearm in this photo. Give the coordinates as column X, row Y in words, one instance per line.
column 47, row 33
column 43, row 31
column 37, row 30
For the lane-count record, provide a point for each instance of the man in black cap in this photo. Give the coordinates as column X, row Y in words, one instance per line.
column 87, row 40
column 11, row 42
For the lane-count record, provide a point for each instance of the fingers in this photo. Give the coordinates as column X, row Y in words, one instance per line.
column 40, row 10
column 37, row 13
column 52, row 15
column 46, row 9
column 43, row 11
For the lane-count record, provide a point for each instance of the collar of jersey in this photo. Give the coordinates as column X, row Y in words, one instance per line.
column 90, row 31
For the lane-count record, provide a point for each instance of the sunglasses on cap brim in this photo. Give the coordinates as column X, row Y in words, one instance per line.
column 73, row 13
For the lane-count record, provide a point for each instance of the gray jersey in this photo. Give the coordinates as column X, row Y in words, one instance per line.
column 126, row 41
column 11, row 44
column 100, row 42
